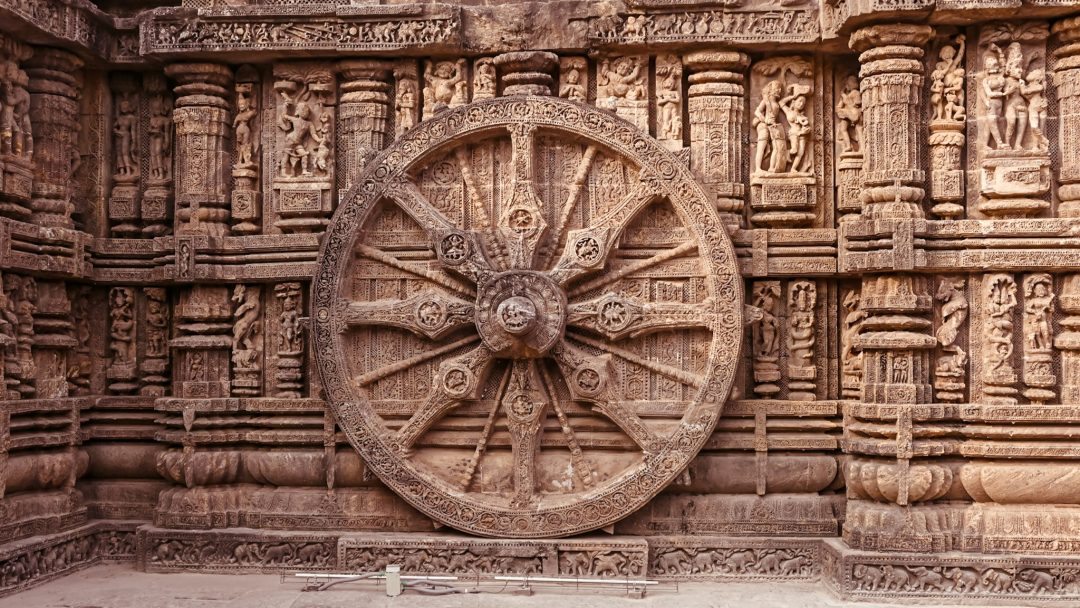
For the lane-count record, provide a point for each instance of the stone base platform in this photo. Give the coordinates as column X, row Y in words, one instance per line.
column 662, row 557
column 39, row 559
column 950, row 578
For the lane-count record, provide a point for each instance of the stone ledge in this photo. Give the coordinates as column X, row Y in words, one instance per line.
column 953, row 578
column 33, row 561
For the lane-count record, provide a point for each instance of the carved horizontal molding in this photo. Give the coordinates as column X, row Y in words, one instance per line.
column 307, row 28
column 71, row 23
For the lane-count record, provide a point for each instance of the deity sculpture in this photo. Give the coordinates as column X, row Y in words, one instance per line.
column 668, row 99
column 770, row 133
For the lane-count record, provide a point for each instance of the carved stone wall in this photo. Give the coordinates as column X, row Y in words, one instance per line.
column 762, row 290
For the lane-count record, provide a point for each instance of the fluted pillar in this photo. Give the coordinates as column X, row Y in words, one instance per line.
column 363, row 113
column 891, row 80
column 55, row 82
column 717, row 100
column 1067, row 76
column 202, row 123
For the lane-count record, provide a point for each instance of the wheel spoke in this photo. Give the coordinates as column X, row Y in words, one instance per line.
column 458, row 250
column 398, row 366
column 435, row 277
column 524, row 404
column 674, row 373
column 485, row 436
column 575, row 188
column 522, row 223
column 457, row 379
column 618, row 317
column 582, row 468
column 590, row 378
column 429, row 313
column 629, row 269
column 491, row 236
column 587, row 249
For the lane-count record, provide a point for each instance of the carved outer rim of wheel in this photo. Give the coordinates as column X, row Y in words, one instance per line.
column 618, row 497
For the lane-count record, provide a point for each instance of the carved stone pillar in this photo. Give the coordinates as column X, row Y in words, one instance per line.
column 202, row 131
column 1067, row 78
column 896, row 339
column 54, row 339
column 717, row 98
column 1068, row 341
column 891, row 82
column 204, row 324
column 54, row 85
column 526, row 72
column 363, row 116
column 16, row 132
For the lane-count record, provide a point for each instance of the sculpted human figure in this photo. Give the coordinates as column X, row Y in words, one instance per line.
column 245, row 145
column 1016, row 109
column 485, row 80
column 849, row 115
column 1038, row 309
column 794, row 106
column 768, row 343
column 124, row 132
column 770, row 133
column 572, row 88
column 623, row 78
column 943, row 82
column 16, row 135
column 406, row 104
column 993, row 86
column 290, row 325
column 667, row 104
column 160, row 132
column 121, row 343
column 1034, row 91
column 300, row 133
column 246, row 314
column 444, row 84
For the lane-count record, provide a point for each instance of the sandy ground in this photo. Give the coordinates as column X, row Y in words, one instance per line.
column 119, row 586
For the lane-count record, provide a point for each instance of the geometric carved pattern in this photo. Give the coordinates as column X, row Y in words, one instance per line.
column 471, row 371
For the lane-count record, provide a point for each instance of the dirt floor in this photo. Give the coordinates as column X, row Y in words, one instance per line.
column 119, row 586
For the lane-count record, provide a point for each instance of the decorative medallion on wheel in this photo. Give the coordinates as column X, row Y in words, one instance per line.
column 527, row 317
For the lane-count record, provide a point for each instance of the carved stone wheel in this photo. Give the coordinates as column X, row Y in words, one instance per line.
column 527, row 317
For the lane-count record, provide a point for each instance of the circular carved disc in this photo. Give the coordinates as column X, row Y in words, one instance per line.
column 527, row 317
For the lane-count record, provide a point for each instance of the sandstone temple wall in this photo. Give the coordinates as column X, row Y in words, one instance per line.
column 744, row 289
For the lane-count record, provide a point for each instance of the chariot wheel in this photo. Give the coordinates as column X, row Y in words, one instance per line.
column 527, row 317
